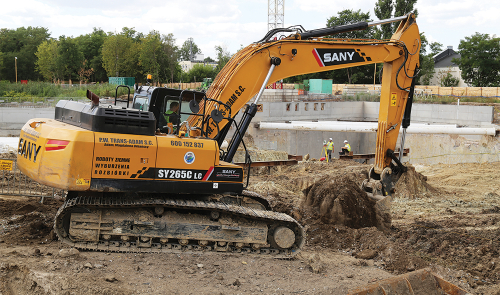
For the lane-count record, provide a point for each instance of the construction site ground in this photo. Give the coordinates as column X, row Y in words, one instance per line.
column 445, row 217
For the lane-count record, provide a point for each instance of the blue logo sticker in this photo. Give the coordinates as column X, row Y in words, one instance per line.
column 189, row 158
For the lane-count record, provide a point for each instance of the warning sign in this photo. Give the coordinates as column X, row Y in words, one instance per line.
column 82, row 181
column 394, row 99
column 6, row 165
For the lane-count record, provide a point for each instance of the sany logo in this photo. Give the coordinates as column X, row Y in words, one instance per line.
column 328, row 57
column 331, row 57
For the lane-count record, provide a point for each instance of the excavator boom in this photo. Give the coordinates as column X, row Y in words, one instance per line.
column 247, row 73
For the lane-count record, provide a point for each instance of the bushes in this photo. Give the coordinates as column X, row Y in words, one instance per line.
column 32, row 90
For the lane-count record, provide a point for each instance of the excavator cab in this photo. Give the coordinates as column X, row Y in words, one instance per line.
column 158, row 101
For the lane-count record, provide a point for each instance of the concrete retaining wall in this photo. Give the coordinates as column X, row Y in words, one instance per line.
column 424, row 149
column 472, row 116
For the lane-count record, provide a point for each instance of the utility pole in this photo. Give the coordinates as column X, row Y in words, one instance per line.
column 191, row 57
column 15, row 62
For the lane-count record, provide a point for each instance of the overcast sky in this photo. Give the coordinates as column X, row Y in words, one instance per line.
column 233, row 23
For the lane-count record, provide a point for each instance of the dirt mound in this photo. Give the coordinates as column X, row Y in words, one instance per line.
column 25, row 209
column 413, row 185
column 19, row 280
column 339, row 201
column 26, row 221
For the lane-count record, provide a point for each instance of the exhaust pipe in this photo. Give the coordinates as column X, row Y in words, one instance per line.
column 93, row 97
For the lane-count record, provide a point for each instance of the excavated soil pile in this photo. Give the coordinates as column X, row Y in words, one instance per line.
column 413, row 185
column 339, row 201
column 27, row 222
column 463, row 241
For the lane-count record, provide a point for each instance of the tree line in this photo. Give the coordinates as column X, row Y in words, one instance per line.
column 98, row 55
column 479, row 61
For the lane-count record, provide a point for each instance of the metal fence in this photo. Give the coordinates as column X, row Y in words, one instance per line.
column 15, row 183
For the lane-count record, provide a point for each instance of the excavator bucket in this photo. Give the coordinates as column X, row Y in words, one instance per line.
column 420, row 282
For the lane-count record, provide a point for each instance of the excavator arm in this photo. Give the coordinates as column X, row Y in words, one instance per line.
column 245, row 74
column 253, row 68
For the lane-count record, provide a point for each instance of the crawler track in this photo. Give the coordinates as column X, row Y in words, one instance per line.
column 266, row 222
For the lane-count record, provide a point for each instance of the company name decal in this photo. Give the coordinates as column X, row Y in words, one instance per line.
column 332, row 57
column 28, row 149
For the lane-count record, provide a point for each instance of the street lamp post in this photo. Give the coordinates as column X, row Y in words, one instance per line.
column 15, row 61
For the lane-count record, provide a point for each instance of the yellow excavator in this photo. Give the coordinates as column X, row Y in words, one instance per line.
column 153, row 178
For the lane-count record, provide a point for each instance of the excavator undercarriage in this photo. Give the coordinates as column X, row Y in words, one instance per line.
column 150, row 223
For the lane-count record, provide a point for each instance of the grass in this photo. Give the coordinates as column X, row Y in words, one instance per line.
column 361, row 97
column 448, row 99
column 40, row 91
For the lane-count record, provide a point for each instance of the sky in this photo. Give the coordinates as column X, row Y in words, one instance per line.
column 232, row 23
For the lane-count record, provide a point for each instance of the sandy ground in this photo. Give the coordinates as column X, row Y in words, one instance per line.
column 446, row 218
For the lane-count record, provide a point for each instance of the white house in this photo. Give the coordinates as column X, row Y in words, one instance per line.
column 443, row 64
column 187, row 65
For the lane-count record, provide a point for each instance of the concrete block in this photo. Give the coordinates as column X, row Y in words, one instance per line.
column 424, row 114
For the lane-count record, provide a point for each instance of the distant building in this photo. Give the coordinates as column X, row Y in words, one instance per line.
column 187, row 65
column 443, row 64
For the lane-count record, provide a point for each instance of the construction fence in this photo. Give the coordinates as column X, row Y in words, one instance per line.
column 421, row 90
column 15, row 183
column 374, row 89
column 194, row 85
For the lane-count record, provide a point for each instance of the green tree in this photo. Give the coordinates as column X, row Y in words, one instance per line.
column 436, row 48
column 158, row 56
column 46, row 63
column 69, row 58
column 21, row 43
column 131, row 33
column 188, row 46
column 91, row 48
column 427, row 71
column 1, row 65
column 199, row 71
column 208, row 59
column 362, row 74
column 383, row 10
column 402, row 7
column 151, row 56
column 171, row 68
column 120, row 56
column 223, row 57
column 447, row 80
column 349, row 16
column 480, row 60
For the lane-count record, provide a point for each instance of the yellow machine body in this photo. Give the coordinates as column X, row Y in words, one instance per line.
column 71, row 158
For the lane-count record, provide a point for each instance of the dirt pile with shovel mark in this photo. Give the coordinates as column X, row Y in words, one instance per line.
column 339, row 201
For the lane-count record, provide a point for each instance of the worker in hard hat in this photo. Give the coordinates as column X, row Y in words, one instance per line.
column 329, row 149
column 346, row 148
